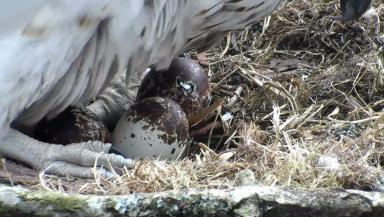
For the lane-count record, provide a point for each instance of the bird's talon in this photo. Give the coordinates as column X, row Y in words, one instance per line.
column 80, row 159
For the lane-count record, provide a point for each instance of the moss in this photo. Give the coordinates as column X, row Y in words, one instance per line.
column 56, row 201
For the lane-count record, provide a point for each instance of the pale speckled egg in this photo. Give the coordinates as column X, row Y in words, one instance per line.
column 152, row 128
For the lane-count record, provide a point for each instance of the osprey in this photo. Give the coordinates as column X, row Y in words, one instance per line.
column 56, row 53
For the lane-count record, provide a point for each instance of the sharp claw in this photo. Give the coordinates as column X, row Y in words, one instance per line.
column 114, row 150
column 74, row 160
column 121, row 162
column 105, row 174
column 78, row 159
column 67, row 169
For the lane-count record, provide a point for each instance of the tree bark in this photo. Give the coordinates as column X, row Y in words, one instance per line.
column 253, row 200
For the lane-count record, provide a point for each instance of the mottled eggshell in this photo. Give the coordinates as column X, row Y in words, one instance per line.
column 184, row 82
column 152, row 128
column 73, row 125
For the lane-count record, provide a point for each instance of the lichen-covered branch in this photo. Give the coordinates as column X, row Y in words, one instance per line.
column 253, row 200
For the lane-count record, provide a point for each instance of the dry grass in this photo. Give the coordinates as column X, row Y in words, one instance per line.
column 310, row 87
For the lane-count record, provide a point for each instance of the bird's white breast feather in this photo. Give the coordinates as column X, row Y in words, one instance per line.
column 42, row 45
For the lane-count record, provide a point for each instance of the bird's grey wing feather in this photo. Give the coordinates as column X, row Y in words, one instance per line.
column 65, row 51
column 69, row 49
column 215, row 17
column 61, row 52
column 38, row 51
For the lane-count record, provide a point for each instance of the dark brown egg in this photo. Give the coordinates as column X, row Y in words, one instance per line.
column 152, row 128
column 184, row 82
column 73, row 125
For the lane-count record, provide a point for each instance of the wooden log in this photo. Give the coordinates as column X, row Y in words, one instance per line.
column 252, row 200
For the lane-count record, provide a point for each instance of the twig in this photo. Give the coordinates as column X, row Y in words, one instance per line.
column 235, row 97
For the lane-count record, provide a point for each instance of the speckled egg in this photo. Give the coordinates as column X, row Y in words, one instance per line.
column 152, row 128
column 184, row 82
column 73, row 125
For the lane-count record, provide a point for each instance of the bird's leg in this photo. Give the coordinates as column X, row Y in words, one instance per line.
column 74, row 160
column 79, row 159
column 116, row 98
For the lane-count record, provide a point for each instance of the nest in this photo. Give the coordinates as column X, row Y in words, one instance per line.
column 298, row 87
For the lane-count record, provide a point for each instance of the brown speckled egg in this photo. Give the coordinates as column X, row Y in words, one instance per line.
column 73, row 125
column 152, row 128
column 184, row 82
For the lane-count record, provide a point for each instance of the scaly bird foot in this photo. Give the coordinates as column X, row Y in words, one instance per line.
column 76, row 160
